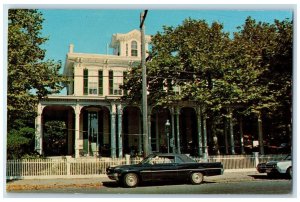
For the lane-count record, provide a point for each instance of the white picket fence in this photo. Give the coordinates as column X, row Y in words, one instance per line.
column 243, row 161
column 92, row 167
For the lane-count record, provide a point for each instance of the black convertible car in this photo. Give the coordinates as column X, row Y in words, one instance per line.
column 164, row 167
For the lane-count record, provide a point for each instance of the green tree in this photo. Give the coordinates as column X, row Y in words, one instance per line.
column 190, row 58
column 251, row 44
column 30, row 78
column 20, row 141
column 55, row 137
column 249, row 74
column 280, row 75
column 263, row 54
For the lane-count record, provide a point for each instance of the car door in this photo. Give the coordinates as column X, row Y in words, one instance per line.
column 146, row 172
column 164, row 169
column 184, row 168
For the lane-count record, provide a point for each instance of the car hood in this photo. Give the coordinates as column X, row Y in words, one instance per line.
column 124, row 166
column 271, row 163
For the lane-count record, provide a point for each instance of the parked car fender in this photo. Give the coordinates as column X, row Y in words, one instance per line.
column 283, row 166
column 272, row 168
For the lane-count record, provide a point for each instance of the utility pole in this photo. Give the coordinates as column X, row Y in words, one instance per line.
column 146, row 146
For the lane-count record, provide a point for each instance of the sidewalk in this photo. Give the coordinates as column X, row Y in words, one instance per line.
column 29, row 184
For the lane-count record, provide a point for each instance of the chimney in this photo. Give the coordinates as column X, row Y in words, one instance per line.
column 71, row 48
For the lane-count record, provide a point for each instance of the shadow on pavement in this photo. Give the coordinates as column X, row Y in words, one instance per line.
column 266, row 177
column 12, row 180
column 112, row 184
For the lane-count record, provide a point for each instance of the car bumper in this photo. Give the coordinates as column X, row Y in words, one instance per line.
column 261, row 168
column 271, row 170
column 281, row 170
column 113, row 176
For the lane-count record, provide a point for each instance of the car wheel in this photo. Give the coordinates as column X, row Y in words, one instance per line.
column 196, row 178
column 130, row 180
column 290, row 172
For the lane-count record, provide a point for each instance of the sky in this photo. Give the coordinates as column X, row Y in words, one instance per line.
column 90, row 30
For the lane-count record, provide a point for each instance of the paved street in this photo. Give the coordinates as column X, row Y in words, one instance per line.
column 229, row 183
column 271, row 187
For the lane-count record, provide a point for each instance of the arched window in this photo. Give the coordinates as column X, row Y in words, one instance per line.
column 134, row 51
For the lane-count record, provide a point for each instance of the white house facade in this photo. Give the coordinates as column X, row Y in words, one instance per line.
column 100, row 124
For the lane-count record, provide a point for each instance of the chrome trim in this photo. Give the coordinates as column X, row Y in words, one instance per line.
column 180, row 170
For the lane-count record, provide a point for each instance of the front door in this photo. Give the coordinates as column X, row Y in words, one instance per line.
column 90, row 133
column 93, row 133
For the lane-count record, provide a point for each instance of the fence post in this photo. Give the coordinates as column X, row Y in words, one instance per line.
column 205, row 157
column 256, row 161
column 68, row 159
column 127, row 159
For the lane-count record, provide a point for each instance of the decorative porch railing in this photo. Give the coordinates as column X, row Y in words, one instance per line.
column 87, row 167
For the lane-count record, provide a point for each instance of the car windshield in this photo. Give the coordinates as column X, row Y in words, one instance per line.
column 186, row 159
column 147, row 159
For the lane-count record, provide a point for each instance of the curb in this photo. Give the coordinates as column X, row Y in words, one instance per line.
column 56, row 177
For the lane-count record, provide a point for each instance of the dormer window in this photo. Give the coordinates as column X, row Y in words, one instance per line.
column 134, row 51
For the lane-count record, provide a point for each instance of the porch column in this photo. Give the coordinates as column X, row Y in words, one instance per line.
column 260, row 134
column 157, row 132
column 199, row 131
column 113, row 131
column 77, row 129
column 70, row 132
column 226, row 134
column 39, row 130
column 205, row 153
column 172, row 140
column 177, row 112
column 120, row 114
column 149, row 131
column 140, row 135
column 231, row 132
column 242, row 135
